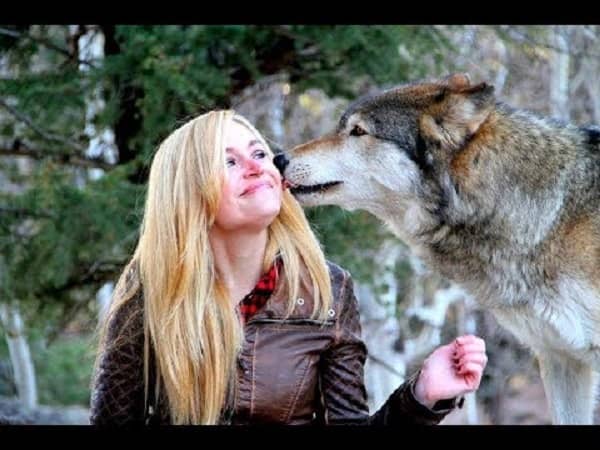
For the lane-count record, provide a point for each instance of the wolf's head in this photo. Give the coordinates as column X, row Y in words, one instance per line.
column 387, row 146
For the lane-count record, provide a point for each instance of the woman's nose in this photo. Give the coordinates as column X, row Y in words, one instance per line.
column 253, row 167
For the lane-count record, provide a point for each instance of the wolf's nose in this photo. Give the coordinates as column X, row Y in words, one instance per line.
column 280, row 162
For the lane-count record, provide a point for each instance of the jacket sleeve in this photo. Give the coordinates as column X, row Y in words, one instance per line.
column 343, row 390
column 117, row 396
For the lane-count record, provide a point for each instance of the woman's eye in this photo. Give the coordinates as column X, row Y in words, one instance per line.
column 230, row 162
column 260, row 154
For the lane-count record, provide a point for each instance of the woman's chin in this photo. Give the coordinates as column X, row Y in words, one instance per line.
column 257, row 219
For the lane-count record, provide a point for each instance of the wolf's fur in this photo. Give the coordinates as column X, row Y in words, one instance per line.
column 498, row 199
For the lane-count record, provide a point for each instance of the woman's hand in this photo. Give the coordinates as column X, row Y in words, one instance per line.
column 451, row 370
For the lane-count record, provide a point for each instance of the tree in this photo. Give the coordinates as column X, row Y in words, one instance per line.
column 65, row 233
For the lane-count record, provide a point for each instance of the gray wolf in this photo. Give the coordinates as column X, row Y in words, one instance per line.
column 500, row 200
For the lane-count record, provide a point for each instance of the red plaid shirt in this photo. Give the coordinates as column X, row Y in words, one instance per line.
column 256, row 299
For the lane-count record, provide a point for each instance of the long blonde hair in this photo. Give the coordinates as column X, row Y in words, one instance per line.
column 188, row 318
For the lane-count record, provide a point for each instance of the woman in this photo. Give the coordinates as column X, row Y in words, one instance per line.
column 229, row 313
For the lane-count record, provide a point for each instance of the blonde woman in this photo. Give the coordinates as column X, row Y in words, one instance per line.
column 228, row 312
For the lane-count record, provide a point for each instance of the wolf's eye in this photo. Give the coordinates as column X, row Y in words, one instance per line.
column 357, row 130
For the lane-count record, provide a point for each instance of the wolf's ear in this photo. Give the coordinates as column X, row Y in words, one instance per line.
column 460, row 83
column 458, row 111
column 457, row 81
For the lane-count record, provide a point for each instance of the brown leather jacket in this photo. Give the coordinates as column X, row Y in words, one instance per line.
column 293, row 370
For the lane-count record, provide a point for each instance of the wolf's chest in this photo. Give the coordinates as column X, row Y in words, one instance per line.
column 567, row 322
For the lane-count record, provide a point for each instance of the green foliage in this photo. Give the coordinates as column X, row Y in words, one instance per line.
column 349, row 238
column 70, row 230
column 348, row 54
column 60, row 238
column 64, row 371
column 155, row 78
column 181, row 71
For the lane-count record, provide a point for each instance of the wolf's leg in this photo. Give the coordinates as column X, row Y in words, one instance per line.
column 570, row 388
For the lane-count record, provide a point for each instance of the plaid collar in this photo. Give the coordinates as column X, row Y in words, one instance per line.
column 257, row 298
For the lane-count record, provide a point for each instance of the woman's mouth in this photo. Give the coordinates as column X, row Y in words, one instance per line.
column 255, row 187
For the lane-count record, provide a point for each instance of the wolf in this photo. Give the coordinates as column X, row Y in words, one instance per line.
column 502, row 201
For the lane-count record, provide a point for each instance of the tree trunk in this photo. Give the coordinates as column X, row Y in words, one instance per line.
column 276, row 113
column 385, row 368
column 591, row 70
column 466, row 324
column 428, row 306
column 102, row 142
column 393, row 351
column 129, row 121
column 103, row 298
column 559, row 75
column 20, row 356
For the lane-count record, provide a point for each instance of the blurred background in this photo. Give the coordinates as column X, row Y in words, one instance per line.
column 84, row 107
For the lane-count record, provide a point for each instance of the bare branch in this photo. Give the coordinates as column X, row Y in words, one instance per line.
column 68, row 159
column 11, row 33
column 45, row 134
column 98, row 273
column 26, row 212
column 46, row 43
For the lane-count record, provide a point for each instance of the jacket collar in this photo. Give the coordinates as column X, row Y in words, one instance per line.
column 276, row 306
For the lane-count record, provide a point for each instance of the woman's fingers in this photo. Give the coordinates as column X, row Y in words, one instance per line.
column 470, row 339
column 478, row 358
column 466, row 349
column 470, row 368
column 469, row 359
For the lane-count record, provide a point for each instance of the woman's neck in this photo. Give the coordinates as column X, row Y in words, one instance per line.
column 238, row 259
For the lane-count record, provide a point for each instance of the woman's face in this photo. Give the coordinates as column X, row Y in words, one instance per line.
column 251, row 196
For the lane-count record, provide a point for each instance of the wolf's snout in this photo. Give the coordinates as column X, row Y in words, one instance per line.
column 281, row 162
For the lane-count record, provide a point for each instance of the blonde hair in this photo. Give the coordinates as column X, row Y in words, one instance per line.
column 188, row 318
